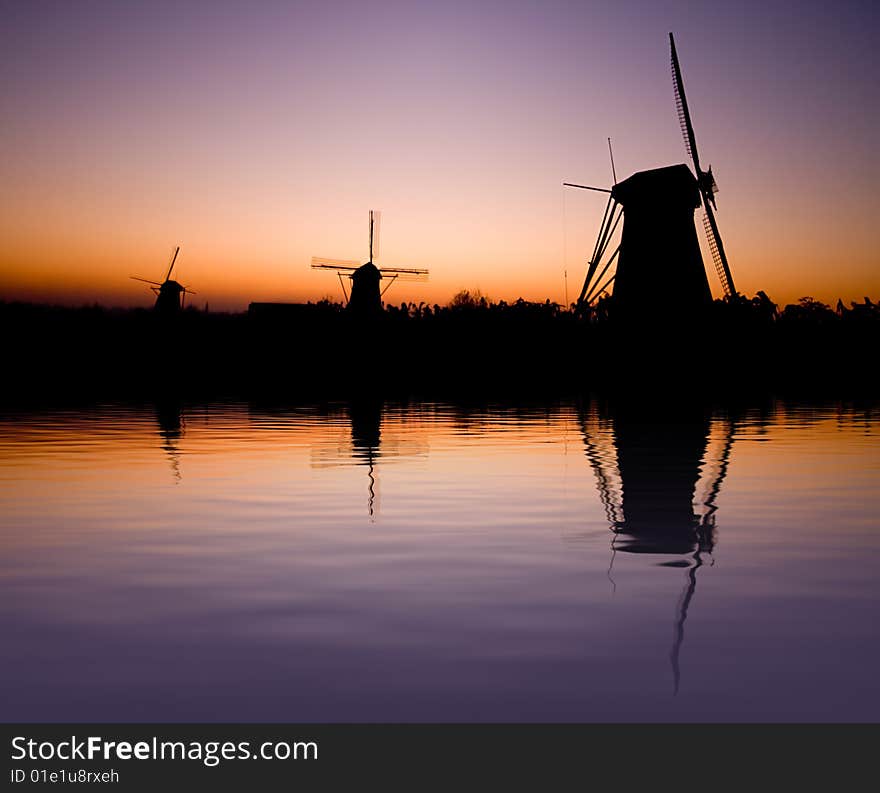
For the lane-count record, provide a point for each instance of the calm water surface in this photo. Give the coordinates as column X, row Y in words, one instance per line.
column 422, row 562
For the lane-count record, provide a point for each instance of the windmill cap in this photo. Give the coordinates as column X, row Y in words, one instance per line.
column 673, row 185
column 368, row 270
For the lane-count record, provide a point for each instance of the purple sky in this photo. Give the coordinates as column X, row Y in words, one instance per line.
column 256, row 135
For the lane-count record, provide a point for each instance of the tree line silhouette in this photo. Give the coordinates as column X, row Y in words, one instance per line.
column 471, row 343
column 760, row 307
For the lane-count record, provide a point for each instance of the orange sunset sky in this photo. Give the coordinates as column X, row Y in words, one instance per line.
column 256, row 135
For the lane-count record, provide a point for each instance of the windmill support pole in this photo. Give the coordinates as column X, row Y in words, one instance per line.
column 594, row 259
column 584, row 288
column 610, row 232
column 342, row 283
column 593, row 292
column 601, row 247
column 391, row 280
column 601, row 228
column 602, row 288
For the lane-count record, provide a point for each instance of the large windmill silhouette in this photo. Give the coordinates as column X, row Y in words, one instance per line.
column 366, row 294
column 657, row 265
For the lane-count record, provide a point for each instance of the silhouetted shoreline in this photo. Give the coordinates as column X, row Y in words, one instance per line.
column 469, row 347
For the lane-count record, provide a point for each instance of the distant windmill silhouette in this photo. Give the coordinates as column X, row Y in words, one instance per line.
column 170, row 295
column 366, row 296
column 659, row 255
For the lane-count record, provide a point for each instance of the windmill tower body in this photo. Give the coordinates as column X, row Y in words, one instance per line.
column 168, row 298
column 366, row 297
column 659, row 266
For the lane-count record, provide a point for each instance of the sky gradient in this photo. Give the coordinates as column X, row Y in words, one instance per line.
column 256, row 135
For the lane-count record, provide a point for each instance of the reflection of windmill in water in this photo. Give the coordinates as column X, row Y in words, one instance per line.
column 659, row 472
column 169, row 417
column 170, row 295
column 366, row 431
column 367, row 444
column 366, row 295
column 659, row 267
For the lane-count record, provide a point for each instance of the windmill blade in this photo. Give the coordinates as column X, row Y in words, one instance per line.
column 404, row 276
column 334, row 264
column 173, row 259
column 705, row 180
column 681, row 105
column 587, row 187
column 716, row 247
column 404, row 271
column 375, row 224
column 146, row 281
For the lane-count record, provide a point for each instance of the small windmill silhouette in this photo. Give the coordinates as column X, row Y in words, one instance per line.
column 366, row 296
column 170, row 295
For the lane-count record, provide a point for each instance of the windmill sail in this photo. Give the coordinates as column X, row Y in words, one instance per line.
column 320, row 263
column 416, row 274
column 706, row 181
column 375, row 225
column 173, row 259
